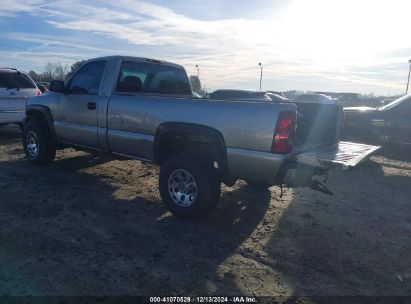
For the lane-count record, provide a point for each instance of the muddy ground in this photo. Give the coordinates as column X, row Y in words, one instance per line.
column 90, row 226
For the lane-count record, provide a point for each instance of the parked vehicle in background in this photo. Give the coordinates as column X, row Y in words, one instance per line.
column 43, row 83
column 196, row 95
column 15, row 88
column 277, row 93
column 143, row 109
column 233, row 94
column 387, row 123
column 43, row 86
column 313, row 97
column 277, row 98
column 249, row 95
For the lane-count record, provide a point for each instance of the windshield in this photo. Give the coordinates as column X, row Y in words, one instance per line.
column 12, row 80
column 393, row 103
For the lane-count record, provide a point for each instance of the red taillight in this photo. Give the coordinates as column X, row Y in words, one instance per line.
column 284, row 133
column 38, row 92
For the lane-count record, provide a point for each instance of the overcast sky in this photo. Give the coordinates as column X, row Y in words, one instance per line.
column 348, row 45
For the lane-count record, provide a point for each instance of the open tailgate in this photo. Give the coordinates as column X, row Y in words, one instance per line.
column 345, row 156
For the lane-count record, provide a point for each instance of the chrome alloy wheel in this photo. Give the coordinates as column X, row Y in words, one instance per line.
column 182, row 188
column 32, row 143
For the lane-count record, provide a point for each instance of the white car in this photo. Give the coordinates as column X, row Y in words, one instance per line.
column 15, row 88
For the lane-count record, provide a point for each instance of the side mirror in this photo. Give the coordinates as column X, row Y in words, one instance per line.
column 57, row 86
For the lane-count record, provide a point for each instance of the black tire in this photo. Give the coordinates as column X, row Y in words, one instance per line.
column 34, row 131
column 207, row 190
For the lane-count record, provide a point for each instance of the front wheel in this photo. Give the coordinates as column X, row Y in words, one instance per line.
column 188, row 189
column 39, row 146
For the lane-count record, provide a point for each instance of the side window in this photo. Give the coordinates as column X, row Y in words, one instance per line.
column 87, row 80
column 157, row 78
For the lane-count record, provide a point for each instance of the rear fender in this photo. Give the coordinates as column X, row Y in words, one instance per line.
column 194, row 133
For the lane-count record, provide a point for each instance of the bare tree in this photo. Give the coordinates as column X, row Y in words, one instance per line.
column 48, row 71
column 34, row 76
column 55, row 71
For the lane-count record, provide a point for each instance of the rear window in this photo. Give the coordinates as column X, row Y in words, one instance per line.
column 16, row 80
column 136, row 77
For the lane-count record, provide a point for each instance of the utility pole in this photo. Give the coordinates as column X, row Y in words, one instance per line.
column 198, row 71
column 261, row 73
column 409, row 71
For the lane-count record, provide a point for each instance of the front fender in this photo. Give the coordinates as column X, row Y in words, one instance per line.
column 43, row 114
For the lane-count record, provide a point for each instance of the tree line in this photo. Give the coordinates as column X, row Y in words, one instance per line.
column 56, row 71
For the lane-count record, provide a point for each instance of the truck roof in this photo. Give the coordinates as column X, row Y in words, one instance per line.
column 140, row 59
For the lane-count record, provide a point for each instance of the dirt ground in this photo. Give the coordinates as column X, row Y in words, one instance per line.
column 90, row 226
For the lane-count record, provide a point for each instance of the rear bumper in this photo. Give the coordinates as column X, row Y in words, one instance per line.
column 298, row 169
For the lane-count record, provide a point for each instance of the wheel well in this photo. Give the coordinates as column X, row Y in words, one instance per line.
column 42, row 118
column 202, row 142
column 36, row 116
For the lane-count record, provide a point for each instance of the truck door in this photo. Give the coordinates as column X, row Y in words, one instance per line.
column 76, row 119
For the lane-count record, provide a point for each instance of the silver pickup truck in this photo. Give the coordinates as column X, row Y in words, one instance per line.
column 144, row 109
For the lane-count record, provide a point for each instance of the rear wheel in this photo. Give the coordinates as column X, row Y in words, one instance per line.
column 188, row 189
column 39, row 146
